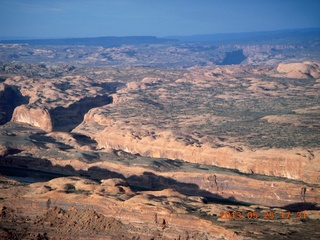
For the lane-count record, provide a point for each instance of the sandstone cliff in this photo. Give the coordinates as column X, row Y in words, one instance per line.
column 234, row 117
column 34, row 116
column 296, row 163
column 225, row 130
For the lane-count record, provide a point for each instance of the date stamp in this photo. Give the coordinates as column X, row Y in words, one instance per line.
column 266, row 215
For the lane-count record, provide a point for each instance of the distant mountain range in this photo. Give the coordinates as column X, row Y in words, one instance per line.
column 252, row 37
column 276, row 37
column 94, row 41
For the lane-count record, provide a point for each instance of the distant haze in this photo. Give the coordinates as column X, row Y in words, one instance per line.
column 92, row 18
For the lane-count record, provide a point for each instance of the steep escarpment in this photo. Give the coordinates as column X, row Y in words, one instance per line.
column 35, row 117
column 10, row 98
column 223, row 116
column 67, row 118
column 59, row 118
column 56, row 104
column 297, row 163
column 216, row 119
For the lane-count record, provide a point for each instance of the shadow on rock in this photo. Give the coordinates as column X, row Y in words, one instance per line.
column 148, row 181
column 301, row 206
column 41, row 141
column 10, row 98
column 66, row 119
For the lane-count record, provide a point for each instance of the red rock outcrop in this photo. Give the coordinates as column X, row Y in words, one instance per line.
column 106, row 213
column 300, row 70
column 296, row 163
column 157, row 122
column 34, row 116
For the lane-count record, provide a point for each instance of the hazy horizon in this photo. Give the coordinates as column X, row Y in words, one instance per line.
column 36, row 19
column 5, row 38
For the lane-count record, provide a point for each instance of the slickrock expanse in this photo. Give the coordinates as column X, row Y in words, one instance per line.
column 213, row 147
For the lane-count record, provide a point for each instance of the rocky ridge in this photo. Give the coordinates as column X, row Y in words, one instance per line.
column 76, row 208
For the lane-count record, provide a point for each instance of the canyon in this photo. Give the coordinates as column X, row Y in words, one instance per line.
column 223, row 144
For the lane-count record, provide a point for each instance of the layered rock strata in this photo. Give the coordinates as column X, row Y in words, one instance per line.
column 143, row 121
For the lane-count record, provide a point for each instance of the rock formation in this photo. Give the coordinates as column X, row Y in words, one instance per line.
column 10, row 98
column 73, row 208
column 35, row 117
column 300, row 70
column 143, row 135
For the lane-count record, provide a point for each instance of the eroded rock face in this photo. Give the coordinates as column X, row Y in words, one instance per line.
column 168, row 114
column 59, row 207
column 10, row 97
column 231, row 128
column 296, row 163
column 35, row 117
column 63, row 100
column 73, row 207
column 300, row 70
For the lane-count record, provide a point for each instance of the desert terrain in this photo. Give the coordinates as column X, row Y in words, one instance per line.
column 160, row 139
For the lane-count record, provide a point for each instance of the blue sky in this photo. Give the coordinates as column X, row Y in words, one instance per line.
column 91, row 18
